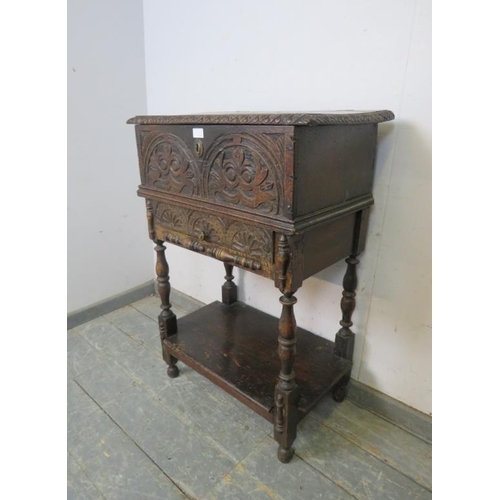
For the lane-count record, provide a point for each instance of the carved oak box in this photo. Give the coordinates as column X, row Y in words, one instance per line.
column 283, row 196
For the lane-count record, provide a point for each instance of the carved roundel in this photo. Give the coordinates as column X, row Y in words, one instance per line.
column 170, row 165
column 243, row 170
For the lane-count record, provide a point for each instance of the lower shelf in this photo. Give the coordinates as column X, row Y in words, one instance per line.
column 236, row 347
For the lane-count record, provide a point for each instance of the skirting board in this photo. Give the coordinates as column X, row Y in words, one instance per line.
column 110, row 304
column 417, row 423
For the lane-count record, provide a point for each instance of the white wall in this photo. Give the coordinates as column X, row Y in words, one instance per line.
column 108, row 248
column 269, row 55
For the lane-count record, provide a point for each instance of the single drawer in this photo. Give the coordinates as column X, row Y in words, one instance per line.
column 241, row 244
column 248, row 168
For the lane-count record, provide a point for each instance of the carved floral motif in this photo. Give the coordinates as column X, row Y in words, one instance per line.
column 249, row 240
column 242, row 172
column 245, row 239
column 208, row 228
column 170, row 216
column 170, row 166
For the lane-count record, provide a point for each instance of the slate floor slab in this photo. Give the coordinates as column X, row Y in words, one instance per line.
column 134, row 433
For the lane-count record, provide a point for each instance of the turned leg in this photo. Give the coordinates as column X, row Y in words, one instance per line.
column 285, row 423
column 344, row 340
column 229, row 289
column 286, row 392
column 167, row 319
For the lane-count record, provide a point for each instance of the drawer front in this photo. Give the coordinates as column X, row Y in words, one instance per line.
column 241, row 244
column 247, row 168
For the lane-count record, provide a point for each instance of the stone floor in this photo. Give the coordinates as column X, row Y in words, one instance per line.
column 134, row 433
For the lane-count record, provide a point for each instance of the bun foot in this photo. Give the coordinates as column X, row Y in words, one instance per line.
column 173, row 371
column 339, row 393
column 285, row 454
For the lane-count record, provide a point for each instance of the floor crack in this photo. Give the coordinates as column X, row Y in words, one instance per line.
column 137, row 444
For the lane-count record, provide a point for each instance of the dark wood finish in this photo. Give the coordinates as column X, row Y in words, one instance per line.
column 283, row 195
column 229, row 289
column 286, row 393
column 344, row 340
column 347, row 117
column 289, row 227
column 167, row 320
column 334, row 165
column 233, row 166
column 236, row 347
column 329, row 242
column 233, row 242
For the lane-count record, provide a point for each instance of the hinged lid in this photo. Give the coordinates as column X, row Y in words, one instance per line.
column 347, row 117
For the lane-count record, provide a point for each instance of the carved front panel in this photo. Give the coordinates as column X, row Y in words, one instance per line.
column 169, row 164
column 244, row 170
column 211, row 232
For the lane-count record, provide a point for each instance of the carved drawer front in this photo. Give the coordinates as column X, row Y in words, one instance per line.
column 241, row 244
column 244, row 168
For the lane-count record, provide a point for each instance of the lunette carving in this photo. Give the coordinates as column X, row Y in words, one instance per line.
column 170, row 165
column 206, row 227
column 249, row 240
column 242, row 170
column 170, row 216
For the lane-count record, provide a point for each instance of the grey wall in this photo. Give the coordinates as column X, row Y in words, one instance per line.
column 108, row 248
column 290, row 55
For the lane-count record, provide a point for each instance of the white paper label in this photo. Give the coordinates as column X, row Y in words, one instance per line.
column 198, row 133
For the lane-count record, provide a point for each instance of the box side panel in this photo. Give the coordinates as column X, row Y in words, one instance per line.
column 333, row 165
